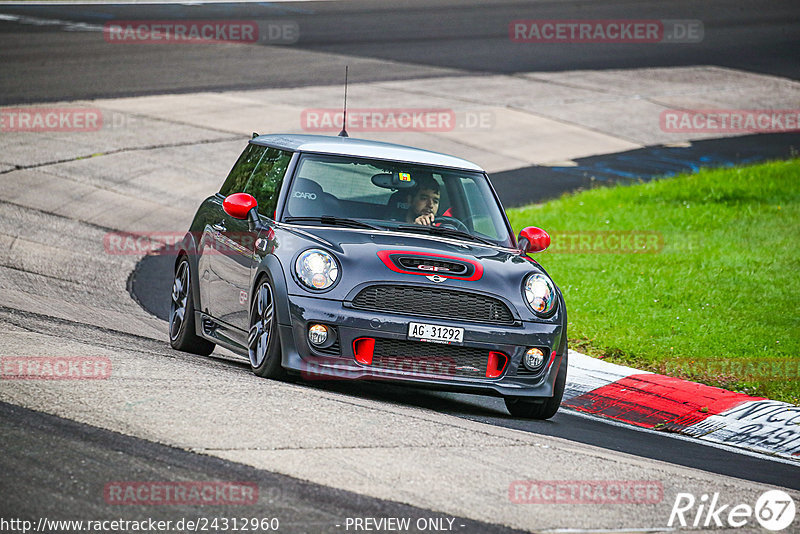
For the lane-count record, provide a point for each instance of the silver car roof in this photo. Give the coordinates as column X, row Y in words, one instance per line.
column 349, row 146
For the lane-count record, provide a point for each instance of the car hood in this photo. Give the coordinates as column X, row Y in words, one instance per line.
column 362, row 255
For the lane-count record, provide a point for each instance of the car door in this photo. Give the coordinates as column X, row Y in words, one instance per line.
column 265, row 186
column 235, row 261
column 223, row 257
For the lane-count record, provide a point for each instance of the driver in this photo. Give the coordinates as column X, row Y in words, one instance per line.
column 423, row 201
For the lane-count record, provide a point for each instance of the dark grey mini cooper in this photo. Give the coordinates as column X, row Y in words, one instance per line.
column 339, row 258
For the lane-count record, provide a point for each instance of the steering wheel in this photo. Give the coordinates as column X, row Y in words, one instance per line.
column 452, row 222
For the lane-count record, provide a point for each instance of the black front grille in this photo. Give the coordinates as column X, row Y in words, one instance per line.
column 434, row 302
column 429, row 359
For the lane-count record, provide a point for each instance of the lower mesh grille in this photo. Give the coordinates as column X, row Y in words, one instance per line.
column 430, row 359
column 333, row 350
column 524, row 371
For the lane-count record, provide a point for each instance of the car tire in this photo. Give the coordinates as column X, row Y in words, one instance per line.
column 542, row 408
column 263, row 343
column 182, row 333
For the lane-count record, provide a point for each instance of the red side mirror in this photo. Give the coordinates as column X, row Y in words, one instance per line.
column 238, row 205
column 534, row 239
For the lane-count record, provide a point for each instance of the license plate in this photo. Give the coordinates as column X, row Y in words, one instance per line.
column 435, row 333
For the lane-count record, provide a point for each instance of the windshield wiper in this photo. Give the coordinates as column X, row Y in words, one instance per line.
column 334, row 221
column 444, row 231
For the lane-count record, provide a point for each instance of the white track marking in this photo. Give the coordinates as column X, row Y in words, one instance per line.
column 586, row 374
column 68, row 25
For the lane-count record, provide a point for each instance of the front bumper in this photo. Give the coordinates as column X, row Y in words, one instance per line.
column 352, row 324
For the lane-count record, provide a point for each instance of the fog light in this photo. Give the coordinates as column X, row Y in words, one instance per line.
column 534, row 359
column 318, row 334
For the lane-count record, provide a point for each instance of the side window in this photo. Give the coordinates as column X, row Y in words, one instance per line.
column 237, row 179
column 265, row 184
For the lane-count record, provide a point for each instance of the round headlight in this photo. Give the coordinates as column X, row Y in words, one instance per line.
column 316, row 269
column 540, row 293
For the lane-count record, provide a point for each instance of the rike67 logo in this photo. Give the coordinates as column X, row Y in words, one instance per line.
column 774, row 510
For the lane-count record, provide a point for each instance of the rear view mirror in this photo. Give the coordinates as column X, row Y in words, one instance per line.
column 533, row 239
column 238, row 205
column 395, row 180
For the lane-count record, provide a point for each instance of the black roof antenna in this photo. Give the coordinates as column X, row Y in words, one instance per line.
column 343, row 133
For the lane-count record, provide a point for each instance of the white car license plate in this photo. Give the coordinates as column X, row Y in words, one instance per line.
column 435, row 333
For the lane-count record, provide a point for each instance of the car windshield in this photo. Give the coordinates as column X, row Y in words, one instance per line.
column 404, row 196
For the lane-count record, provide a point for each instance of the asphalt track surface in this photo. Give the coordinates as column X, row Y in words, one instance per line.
column 40, row 63
column 89, row 458
column 42, row 59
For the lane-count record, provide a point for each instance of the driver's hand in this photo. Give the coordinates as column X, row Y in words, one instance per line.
column 427, row 220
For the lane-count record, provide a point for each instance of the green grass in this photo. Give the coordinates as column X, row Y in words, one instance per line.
column 724, row 289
